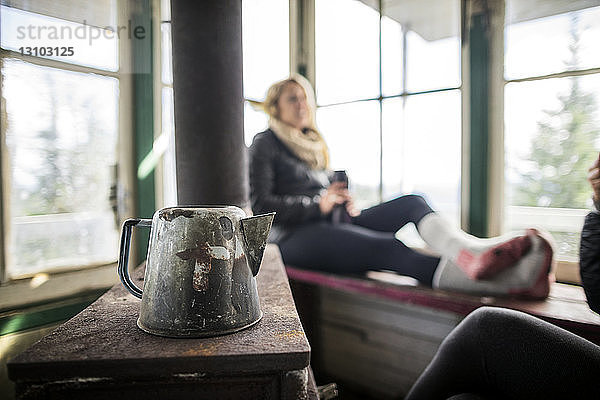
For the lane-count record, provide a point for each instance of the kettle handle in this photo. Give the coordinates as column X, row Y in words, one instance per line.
column 124, row 253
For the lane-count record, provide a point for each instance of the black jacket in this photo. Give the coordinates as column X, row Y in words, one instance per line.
column 589, row 260
column 281, row 182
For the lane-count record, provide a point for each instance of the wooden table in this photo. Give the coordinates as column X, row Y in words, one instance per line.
column 101, row 353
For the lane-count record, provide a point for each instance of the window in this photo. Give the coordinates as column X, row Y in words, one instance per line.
column 552, row 117
column 63, row 184
column 61, row 139
column 389, row 97
column 265, row 55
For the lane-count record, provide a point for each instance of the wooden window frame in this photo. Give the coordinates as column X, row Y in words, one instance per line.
column 20, row 291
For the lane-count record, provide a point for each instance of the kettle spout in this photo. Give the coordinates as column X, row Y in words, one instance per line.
column 255, row 231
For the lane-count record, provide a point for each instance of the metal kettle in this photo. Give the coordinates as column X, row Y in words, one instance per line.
column 200, row 270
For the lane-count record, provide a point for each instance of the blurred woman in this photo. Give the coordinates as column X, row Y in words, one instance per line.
column 290, row 174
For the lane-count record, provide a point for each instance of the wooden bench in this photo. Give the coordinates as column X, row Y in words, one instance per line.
column 379, row 336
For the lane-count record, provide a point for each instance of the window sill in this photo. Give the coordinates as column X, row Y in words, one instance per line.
column 24, row 292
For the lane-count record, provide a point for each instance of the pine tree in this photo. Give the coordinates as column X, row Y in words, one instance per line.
column 563, row 148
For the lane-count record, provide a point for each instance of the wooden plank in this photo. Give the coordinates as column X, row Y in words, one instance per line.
column 385, row 343
column 559, row 309
column 418, row 347
column 171, row 388
column 434, row 299
column 567, row 292
column 360, row 373
column 565, row 303
column 419, row 321
column 347, row 344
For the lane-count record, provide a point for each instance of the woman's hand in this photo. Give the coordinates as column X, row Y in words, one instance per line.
column 594, row 178
column 336, row 193
column 352, row 211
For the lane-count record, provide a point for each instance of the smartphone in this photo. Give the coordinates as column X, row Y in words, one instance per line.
column 340, row 176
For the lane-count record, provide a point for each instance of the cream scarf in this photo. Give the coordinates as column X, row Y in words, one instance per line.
column 309, row 147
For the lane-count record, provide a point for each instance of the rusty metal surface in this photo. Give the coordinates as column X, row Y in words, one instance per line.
column 104, row 341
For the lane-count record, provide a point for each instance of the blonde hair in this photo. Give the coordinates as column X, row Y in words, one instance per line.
column 307, row 144
column 270, row 105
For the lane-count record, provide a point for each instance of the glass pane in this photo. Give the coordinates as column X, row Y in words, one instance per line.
column 391, row 57
column 352, row 134
column 97, row 12
column 255, row 121
column 61, row 139
column 393, row 147
column 57, row 39
column 166, row 54
column 552, row 136
column 432, row 44
column 347, row 51
column 432, row 150
column 552, row 44
column 265, row 35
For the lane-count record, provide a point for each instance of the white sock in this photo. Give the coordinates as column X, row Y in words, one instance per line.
column 479, row 258
column 529, row 277
column 446, row 239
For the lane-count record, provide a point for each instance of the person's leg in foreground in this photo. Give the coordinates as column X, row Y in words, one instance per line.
column 505, row 354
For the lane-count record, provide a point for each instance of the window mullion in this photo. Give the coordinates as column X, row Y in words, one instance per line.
column 302, row 39
column 479, row 124
column 3, row 181
column 495, row 176
column 380, row 194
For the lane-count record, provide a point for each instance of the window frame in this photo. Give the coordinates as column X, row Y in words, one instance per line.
column 308, row 62
column 20, row 290
column 566, row 270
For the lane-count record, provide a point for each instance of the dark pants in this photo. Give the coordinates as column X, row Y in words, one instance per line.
column 504, row 354
column 368, row 243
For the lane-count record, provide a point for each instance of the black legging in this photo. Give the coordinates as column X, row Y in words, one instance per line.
column 506, row 354
column 365, row 244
